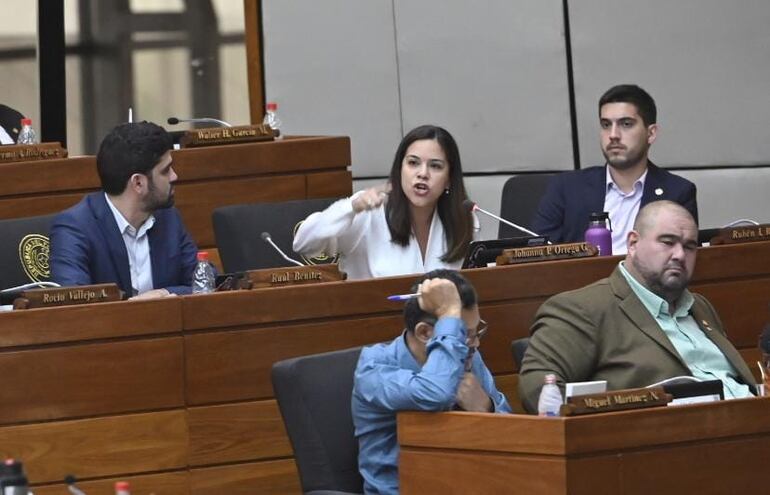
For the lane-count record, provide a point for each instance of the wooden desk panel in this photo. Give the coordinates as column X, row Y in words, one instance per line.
column 231, row 437
column 173, row 483
column 92, row 379
column 101, row 447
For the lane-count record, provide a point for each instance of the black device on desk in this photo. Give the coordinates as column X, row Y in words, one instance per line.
column 482, row 253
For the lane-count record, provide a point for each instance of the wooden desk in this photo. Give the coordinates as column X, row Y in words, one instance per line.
column 176, row 393
column 292, row 168
column 707, row 448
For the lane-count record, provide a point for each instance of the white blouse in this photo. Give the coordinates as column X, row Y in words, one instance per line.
column 363, row 242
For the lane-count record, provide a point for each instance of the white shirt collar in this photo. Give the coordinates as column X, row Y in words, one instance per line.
column 123, row 225
column 610, row 183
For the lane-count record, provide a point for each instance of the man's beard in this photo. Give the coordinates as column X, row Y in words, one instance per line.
column 670, row 288
column 625, row 163
column 155, row 203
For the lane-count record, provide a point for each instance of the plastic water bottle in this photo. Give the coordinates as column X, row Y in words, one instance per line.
column 271, row 119
column 550, row 397
column 598, row 234
column 27, row 134
column 122, row 488
column 203, row 276
column 13, row 481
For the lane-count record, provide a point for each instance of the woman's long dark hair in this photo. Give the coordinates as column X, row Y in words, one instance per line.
column 456, row 218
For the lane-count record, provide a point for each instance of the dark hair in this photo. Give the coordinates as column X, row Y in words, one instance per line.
column 456, row 218
column 413, row 314
column 631, row 93
column 129, row 149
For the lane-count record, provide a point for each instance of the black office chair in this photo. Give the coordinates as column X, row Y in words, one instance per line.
column 10, row 120
column 520, row 199
column 314, row 394
column 238, row 231
column 518, row 348
column 24, row 249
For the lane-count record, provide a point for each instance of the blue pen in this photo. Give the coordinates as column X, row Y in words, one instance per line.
column 403, row 297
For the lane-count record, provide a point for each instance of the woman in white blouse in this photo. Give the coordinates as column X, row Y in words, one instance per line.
column 414, row 223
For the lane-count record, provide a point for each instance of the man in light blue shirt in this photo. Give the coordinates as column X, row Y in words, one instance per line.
column 640, row 325
column 432, row 366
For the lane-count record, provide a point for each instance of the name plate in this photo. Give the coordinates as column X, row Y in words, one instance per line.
column 296, row 275
column 736, row 235
column 227, row 135
column 547, row 252
column 66, row 296
column 31, row 152
column 616, row 400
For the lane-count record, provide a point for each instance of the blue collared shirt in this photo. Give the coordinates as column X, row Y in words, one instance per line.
column 388, row 379
column 622, row 208
column 705, row 360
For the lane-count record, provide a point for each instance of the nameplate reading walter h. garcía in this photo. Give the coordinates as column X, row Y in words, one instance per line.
column 277, row 277
column 67, row 296
column 547, row 252
column 616, row 400
column 226, row 135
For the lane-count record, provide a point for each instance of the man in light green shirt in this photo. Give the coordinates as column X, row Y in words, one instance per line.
column 640, row 325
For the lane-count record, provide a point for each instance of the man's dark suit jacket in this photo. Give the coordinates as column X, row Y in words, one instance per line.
column 571, row 197
column 87, row 248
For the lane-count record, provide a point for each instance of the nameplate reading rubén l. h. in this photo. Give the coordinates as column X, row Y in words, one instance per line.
column 547, row 252
column 66, row 296
column 276, row 277
column 736, row 235
column 31, row 152
column 226, row 135
column 616, row 400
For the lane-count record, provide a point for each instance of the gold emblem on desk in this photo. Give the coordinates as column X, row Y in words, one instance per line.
column 227, row 135
column 31, row 152
column 33, row 255
column 547, row 252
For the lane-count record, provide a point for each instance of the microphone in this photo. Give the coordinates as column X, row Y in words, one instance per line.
column 764, row 341
column 266, row 237
column 74, row 490
column 474, row 207
column 201, row 120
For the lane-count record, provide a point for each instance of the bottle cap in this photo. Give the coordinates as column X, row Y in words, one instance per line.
column 203, row 256
column 122, row 485
column 599, row 216
column 272, row 106
column 26, row 121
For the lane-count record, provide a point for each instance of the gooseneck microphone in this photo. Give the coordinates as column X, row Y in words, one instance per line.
column 266, row 237
column 474, row 207
column 74, row 490
column 201, row 120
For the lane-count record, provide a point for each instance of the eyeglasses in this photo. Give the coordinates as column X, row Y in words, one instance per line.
column 481, row 330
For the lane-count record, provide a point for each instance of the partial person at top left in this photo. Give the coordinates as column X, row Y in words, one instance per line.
column 129, row 233
column 10, row 124
column 414, row 223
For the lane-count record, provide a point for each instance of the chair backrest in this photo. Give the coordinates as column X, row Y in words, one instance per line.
column 238, row 231
column 519, row 201
column 518, row 348
column 24, row 250
column 314, row 394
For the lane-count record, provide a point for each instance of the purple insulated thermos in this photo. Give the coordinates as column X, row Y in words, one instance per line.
column 598, row 234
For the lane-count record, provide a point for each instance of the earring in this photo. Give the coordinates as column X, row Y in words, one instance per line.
column 446, row 191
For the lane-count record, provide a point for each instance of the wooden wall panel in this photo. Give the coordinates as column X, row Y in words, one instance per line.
column 237, row 432
column 87, row 322
column 173, row 483
column 329, row 184
column 743, row 321
column 87, row 380
column 197, row 201
column 103, row 447
column 46, row 176
column 32, row 206
column 228, row 366
column 266, row 478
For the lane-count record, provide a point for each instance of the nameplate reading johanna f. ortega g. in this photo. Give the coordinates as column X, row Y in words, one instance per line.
column 298, row 275
column 616, row 400
column 547, row 252
column 31, row 152
column 735, row 235
column 66, row 296
column 227, row 135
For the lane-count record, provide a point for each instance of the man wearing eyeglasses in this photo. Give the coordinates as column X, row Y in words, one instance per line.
column 432, row 366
